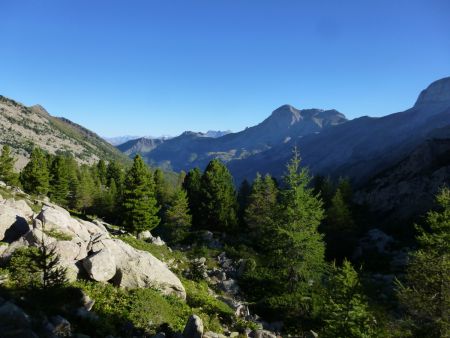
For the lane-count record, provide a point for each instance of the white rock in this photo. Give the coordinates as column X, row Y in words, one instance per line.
column 13, row 224
column 140, row 269
column 21, row 206
column 144, row 235
column 100, row 266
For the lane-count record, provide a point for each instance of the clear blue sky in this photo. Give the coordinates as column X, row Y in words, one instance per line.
column 161, row 67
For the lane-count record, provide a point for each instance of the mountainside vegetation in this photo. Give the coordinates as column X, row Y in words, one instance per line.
column 283, row 249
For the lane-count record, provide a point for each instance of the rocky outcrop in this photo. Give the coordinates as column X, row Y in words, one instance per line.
column 85, row 248
column 14, row 216
column 193, row 328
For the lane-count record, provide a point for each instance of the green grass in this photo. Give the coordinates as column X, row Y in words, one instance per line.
column 58, row 235
column 161, row 252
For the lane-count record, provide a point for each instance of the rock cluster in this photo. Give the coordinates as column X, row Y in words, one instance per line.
column 84, row 248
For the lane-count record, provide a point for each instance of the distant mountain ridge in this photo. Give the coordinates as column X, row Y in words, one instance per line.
column 192, row 149
column 329, row 144
column 22, row 127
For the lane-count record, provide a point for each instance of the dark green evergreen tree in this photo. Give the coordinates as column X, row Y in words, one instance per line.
column 218, row 202
column 59, row 181
column 340, row 227
column 35, row 176
column 86, row 189
column 139, row 201
column 425, row 293
column 177, row 217
column 298, row 251
column 7, row 162
column 261, row 213
column 346, row 311
column 162, row 192
column 102, row 173
column 193, row 186
column 242, row 198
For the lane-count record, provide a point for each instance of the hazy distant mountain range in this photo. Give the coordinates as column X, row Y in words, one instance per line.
column 397, row 162
column 329, row 143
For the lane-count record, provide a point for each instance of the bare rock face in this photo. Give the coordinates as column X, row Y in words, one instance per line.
column 437, row 92
column 193, row 328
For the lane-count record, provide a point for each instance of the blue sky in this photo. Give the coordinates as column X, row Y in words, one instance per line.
column 162, row 67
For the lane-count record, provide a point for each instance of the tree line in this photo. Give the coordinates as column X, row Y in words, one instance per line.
column 295, row 235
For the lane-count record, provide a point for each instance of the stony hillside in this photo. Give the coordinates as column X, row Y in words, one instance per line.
column 407, row 189
column 22, row 127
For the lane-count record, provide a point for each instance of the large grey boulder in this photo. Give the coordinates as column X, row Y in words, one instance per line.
column 140, row 269
column 193, row 328
column 100, row 266
column 13, row 223
column 60, row 220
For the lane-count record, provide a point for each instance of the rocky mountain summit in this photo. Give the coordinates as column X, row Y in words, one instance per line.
column 192, row 149
column 23, row 127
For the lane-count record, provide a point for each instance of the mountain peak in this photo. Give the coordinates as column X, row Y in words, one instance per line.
column 437, row 92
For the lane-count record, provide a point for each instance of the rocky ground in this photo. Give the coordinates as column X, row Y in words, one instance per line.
column 93, row 250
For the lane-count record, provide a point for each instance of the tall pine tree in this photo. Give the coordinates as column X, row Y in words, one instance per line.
column 59, row 181
column 298, row 250
column 261, row 213
column 425, row 293
column 177, row 217
column 218, row 202
column 192, row 184
column 139, row 201
column 35, row 176
column 7, row 162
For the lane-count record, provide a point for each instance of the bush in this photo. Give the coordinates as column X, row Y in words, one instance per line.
column 198, row 296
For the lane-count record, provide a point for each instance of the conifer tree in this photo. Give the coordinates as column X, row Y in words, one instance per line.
column 139, row 201
column 59, row 181
column 86, row 190
column 177, row 217
column 346, row 312
column 340, row 227
column 425, row 292
column 192, row 185
column 162, row 192
column 7, row 162
column 218, row 202
column 242, row 198
column 297, row 260
column 261, row 213
column 47, row 263
column 102, row 173
column 302, row 248
column 35, row 176
column 114, row 171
